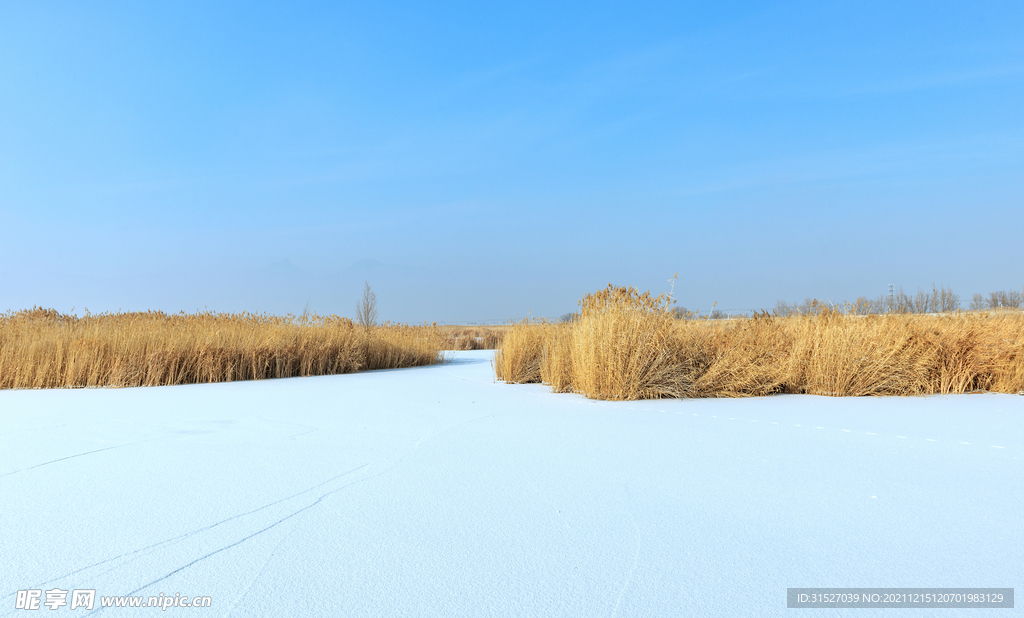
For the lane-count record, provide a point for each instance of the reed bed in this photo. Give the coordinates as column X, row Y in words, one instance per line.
column 41, row 348
column 474, row 337
column 625, row 345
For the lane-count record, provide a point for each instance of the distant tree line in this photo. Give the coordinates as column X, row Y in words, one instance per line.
column 682, row 313
column 940, row 299
column 995, row 300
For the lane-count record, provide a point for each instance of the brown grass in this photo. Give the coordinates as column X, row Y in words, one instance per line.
column 474, row 337
column 519, row 357
column 44, row 349
column 628, row 346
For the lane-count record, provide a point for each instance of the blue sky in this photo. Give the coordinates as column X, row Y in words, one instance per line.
column 481, row 163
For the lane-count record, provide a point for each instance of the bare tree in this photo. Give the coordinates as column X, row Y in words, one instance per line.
column 1014, row 300
column 784, row 309
column 810, row 306
column 879, row 305
column 902, row 302
column 861, row 306
column 997, row 299
column 921, row 301
column 948, row 300
column 366, row 309
column 978, row 302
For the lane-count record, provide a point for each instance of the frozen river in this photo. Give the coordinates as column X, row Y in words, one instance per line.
column 437, row 492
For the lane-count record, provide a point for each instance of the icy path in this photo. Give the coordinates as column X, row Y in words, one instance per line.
column 436, row 492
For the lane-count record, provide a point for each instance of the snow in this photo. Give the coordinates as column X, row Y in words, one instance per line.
column 435, row 491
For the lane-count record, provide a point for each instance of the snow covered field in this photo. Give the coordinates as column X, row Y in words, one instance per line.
column 436, row 492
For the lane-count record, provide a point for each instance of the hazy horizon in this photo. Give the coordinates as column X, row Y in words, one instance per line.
column 282, row 288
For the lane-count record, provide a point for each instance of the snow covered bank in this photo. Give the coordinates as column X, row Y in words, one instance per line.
column 436, row 492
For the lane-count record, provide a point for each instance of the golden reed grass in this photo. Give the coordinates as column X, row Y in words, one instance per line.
column 44, row 349
column 625, row 345
column 474, row 337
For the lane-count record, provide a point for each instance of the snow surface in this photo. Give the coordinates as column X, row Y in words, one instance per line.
column 435, row 491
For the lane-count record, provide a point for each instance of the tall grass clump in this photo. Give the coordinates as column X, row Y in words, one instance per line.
column 627, row 345
column 842, row 355
column 556, row 361
column 621, row 346
column 44, row 349
column 901, row 354
column 518, row 359
column 734, row 358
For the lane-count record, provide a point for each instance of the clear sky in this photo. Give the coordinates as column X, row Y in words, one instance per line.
column 480, row 162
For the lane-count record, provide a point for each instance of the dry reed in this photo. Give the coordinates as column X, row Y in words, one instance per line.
column 44, row 349
column 518, row 359
column 626, row 345
column 474, row 338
